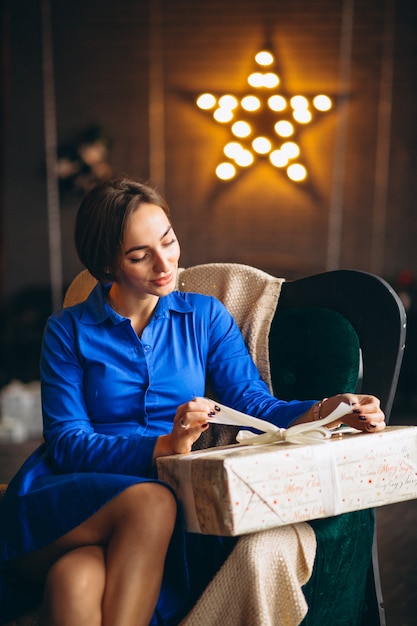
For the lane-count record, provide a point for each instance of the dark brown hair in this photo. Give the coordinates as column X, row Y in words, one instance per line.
column 101, row 221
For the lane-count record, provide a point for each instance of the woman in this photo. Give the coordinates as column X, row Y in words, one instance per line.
column 123, row 375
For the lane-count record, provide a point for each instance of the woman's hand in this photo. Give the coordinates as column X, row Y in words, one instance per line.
column 190, row 420
column 366, row 412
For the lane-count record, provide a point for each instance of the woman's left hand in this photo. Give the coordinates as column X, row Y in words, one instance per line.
column 366, row 412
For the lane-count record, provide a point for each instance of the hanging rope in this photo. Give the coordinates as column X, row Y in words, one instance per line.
column 334, row 241
column 52, row 188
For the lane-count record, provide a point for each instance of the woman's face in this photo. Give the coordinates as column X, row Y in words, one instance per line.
column 150, row 253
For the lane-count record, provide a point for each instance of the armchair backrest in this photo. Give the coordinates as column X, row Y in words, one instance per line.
column 368, row 307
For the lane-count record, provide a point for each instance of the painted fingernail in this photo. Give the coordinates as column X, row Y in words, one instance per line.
column 372, row 425
column 362, row 418
column 204, row 426
column 217, row 408
column 211, row 414
column 356, row 411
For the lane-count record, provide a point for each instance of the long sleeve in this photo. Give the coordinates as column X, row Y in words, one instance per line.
column 73, row 443
column 236, row 380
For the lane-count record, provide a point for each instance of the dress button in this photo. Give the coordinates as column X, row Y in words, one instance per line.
column 146, row 348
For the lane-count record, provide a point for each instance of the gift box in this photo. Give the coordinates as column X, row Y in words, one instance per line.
column 238, row 489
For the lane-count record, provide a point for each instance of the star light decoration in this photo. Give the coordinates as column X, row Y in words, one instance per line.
column 264, row 122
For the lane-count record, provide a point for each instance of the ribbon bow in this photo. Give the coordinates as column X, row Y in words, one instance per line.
column 308, row 433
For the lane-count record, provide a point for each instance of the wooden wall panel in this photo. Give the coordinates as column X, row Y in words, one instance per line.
column 101, row 55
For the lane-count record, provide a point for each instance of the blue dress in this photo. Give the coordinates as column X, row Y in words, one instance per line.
column 107, row 395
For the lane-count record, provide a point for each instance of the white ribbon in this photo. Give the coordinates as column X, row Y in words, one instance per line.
column 306, row 433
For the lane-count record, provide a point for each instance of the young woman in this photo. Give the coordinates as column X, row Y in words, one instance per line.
column 123, row 379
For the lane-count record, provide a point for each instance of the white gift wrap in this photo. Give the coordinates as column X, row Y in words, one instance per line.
column 236, row 490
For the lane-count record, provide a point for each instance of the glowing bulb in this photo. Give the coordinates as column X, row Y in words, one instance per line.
column 232, row 149
column 271, row 80
column 228, row 102
column 250, row 103
column 206, row 101
column 244, row 158
column 278, row 158
column 240, row 155
column 290, row 149
column 261, row 145
column 241, row 129
column 264, row 58
column 322, row 103
column 225, row 171
column 302, row 116
column 284, row 128
column 223, row 115
column 277, row 103
column 299, row 102
column 256, row 79
column 296, row 172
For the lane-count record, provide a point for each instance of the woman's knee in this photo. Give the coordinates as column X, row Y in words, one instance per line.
column 147, row 512
column 152, row 500
column 79, row 576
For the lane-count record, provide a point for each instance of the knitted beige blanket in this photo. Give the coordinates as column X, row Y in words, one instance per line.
column 260, row 583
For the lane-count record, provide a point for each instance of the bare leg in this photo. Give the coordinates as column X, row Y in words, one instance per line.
column 74, row 588
column 136, row 527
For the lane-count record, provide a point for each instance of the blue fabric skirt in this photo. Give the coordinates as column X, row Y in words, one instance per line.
column 40, row 506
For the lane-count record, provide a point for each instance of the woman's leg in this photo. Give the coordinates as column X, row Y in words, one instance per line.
column 74, row 588
column 136, row 528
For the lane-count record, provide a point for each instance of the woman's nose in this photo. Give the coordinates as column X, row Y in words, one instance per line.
column 162, row 262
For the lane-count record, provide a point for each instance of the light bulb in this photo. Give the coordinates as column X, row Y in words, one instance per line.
column 244, row 158
column 302, row 116
column 256, row 79
column 241, row 129
column 299, row 102
column 264, row 57
column 232, row 149
column 250, row 103
column 290, row 149
column 278, row 158
column 261, row 145
column 277, row 103
column 271, row 80
column 284, row 128
column 223, row 115
column 297, row 172
column 206, row 101
column 228, row 102
column 225, row 171
column 322, row 103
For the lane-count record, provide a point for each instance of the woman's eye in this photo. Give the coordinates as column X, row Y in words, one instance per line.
column 138, row 260
column 169, row 243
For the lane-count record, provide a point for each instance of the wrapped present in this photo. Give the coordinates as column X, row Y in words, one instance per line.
column 238, row 489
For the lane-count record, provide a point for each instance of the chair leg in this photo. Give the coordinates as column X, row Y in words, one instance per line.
column 375, row 613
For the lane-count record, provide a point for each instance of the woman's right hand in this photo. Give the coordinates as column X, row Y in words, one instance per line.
column 190, row 420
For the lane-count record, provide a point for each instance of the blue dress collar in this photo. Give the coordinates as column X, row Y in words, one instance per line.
column 96, row 310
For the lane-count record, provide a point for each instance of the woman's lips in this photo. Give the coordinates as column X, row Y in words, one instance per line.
column 164, row 280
